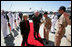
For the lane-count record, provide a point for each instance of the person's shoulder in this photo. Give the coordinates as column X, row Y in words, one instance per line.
column 66, row 14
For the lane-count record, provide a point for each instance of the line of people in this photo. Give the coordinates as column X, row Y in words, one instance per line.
column 9, row 22
column 53, row 24
column 56, row 24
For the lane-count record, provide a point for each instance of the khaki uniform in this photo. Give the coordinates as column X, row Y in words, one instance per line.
column 47, row 28
column 60, row 29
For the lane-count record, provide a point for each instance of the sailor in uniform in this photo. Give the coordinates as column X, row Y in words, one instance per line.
column 10, row 15
column 4, row 24
column 18, row 19
column 14, row 20
column 54, row 19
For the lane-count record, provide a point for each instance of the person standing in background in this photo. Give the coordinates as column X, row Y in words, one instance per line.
column 47, row 27
column 4, row 24
column 54, row 19
column 10, row 15
column 18, row 20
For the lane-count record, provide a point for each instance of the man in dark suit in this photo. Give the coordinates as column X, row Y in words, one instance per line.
column 25, row 28
column 36, row 21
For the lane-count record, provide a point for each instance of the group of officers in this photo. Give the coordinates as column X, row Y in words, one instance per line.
column 9, row 22
column 51, row 23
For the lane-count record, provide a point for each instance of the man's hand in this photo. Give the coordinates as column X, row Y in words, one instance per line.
column 61, row 28
column 41, row 22
column 22, row 35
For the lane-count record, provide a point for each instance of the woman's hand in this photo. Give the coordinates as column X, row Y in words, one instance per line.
column 14, row 20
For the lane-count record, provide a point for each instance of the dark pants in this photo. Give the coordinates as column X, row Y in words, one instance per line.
column 36, row 32
column 25, row 38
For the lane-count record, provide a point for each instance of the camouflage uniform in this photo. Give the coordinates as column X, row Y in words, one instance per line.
column 47, row 28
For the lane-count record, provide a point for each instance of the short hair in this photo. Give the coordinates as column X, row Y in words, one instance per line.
column 45, row 12
column 62, row 8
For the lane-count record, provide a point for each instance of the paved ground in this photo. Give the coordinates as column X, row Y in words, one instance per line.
column 16, row 40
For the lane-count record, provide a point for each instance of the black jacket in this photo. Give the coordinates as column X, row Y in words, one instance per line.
column 23, row 27
column 36, row 21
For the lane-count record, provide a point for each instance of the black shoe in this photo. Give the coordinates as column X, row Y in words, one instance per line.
column 13, row 29
column 23, row 44
column 43, row 39
column 47, row 42
column 6, row 37
column 53, row 32
column 30, row 45
column 10, row 34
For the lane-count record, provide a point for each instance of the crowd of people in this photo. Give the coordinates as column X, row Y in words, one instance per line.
column 52, row 23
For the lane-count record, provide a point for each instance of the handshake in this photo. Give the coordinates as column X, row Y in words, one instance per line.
column 42, row 22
